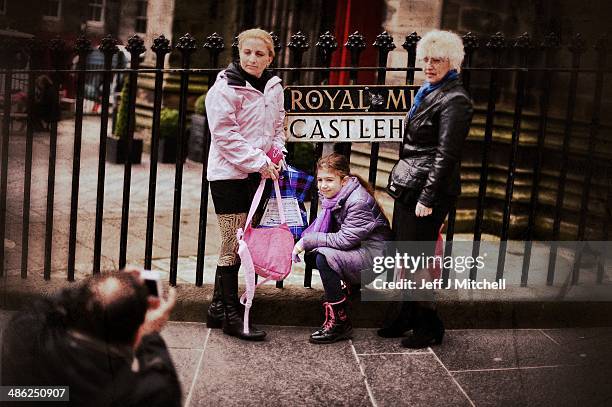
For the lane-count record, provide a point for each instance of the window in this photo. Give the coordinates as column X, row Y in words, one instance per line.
column 53, row 10
column 96, row 10
column 141, row 16
column 3, row 6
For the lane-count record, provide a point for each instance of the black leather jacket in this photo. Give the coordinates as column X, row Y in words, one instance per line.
column 431, row 155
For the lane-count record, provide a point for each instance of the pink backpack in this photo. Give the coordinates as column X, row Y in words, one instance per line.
column 263, row 251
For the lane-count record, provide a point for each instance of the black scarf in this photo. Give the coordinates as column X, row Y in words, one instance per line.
column 239, row 77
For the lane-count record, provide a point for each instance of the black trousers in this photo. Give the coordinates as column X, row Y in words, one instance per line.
column 407, row 227
column 332, row 284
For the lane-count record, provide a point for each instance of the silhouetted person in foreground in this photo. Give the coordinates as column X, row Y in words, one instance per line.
column 101, row 339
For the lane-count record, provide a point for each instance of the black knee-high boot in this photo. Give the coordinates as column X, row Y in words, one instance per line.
column 216, row 310
column 404, row 321
column 428, row 329
column 233, row 323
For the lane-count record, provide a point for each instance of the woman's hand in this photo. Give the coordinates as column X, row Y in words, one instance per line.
column 270, row 171
column 421, row 210
column 297, row 249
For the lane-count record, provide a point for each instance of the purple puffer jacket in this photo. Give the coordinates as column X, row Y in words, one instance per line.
column 360, row 236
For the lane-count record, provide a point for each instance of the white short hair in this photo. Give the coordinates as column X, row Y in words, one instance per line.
column 441, row 44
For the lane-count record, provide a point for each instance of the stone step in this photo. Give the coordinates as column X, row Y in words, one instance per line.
column 360, row 162
column 302, row 306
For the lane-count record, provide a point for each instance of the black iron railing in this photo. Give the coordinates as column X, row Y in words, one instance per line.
column 485, row 79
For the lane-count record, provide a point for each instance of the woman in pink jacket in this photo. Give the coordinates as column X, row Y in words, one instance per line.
column 245, row 115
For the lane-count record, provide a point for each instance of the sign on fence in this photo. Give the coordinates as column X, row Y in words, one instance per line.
column 355, row 113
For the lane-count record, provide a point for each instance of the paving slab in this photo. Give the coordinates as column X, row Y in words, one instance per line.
column 542, row 387
column 186, row 363
column 284, row 370
column 366, row 342
column 13, row 255
column 493, row 349
column 187, row 335
column 188, row 234
column 593, row 345
column 186, row 269
column 411, row 380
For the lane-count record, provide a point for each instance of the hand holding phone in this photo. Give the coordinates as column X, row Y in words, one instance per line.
column 160, row 305
column 152, row 280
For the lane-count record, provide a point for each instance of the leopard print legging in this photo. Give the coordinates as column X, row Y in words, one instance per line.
column 229, row 223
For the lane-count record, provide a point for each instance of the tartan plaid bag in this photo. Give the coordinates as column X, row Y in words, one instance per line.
column 295, row 183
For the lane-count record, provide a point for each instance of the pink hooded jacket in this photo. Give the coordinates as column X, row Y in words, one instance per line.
column 244, row 124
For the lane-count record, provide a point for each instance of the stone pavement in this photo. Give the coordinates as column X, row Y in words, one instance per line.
column 472, row 368
column 495, row 367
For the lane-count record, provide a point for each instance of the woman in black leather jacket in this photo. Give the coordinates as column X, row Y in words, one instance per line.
column 425, row 181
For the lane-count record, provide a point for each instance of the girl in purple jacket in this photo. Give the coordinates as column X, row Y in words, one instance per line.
column 347, row 234
column 245, row 114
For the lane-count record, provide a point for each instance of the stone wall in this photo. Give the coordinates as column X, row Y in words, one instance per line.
column 402, row 18
column 514, row 17
column 127, row 25
column 201, row 19
column 27, row 16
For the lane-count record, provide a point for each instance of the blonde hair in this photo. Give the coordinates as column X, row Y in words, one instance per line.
column 443, row 45
column 257, row 33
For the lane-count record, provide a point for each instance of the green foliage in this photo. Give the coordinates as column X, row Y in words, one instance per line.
column 168, row 123
column 199, row 106
column 121, row 127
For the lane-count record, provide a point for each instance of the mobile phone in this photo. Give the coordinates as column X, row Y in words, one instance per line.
column 152, row 282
